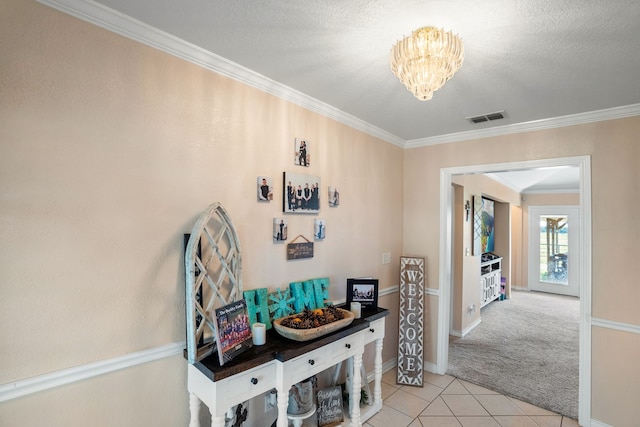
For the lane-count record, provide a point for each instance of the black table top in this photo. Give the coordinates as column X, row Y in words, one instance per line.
column 280, row 348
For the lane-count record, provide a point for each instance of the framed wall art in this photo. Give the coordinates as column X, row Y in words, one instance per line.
column 364, row 291
column 483, row 225
column 280, row 229
column 301, row 155
column 334, row 197
column 301, row 193
column 265, row 189
column 319, row 229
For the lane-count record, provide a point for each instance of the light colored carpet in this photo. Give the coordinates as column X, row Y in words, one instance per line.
column 527, row 348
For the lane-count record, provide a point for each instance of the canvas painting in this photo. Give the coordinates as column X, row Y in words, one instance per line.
column 301, row 156
column 265, row 189
column 334, row 197
column 301, row 193
column 280, row 229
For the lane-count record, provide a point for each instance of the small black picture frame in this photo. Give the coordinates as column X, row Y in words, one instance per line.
column 364, row 291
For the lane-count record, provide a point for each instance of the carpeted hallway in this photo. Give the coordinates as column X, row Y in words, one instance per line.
column 527, row 348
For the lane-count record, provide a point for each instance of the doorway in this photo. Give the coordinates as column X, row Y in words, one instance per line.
column 553, row 236
column 584, row 263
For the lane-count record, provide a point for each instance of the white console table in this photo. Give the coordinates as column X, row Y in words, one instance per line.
column 280, row 363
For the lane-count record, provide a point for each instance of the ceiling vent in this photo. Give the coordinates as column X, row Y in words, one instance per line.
column 487, row 117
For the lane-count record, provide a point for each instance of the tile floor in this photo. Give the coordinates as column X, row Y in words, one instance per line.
column 445, row 401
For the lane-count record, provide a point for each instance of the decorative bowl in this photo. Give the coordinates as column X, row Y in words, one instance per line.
column 312, row 333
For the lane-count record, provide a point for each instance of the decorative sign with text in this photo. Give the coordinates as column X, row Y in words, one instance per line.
column 411, row 321
column 300, row 250
column 329, row 408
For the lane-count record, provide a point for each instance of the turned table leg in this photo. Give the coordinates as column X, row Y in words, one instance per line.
column 194, row 409
column 377, row 369
column 354, row 396
column 216, row 421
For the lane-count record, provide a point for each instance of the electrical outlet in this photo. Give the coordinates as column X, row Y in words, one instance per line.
column 386, row 258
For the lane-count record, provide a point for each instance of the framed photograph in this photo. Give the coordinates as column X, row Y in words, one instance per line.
column 301, row 193
column 301, row 156
column 265, row 189
column 334, row 197
column 233, row 331
column 279, row 229
column 364, row 291
column 319, row 229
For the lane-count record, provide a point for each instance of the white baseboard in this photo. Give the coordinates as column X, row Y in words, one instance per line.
column 596, row 423
column 430, row 367
column 386, row 366
column 465, row 332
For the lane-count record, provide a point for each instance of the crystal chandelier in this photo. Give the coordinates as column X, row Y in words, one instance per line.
column 426, row 59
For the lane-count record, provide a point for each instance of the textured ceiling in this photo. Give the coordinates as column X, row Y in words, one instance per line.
column 534, row 59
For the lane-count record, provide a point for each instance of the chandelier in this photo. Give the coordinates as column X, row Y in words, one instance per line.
column 426, row 59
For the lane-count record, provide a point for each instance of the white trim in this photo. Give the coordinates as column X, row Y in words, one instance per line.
column 389, row 290
column 386, row 366
column 432, row 292
column 584, row 162
column 465, row 331
column 112, row 20
column 429, row 367
column 551, row 192
column 109, row 19
column 551, row 123
column 584, row 361
column 618, row 326
column 596, row 423
column 444, row 279
column 27, row 386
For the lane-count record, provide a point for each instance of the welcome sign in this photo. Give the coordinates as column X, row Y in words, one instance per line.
column 410, row 327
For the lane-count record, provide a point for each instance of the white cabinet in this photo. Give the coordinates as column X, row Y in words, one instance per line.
column 490, row 276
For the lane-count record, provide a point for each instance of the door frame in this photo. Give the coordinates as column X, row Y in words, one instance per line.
column 445, row 272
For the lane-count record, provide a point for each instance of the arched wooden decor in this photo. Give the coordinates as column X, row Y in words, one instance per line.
column 213, row 264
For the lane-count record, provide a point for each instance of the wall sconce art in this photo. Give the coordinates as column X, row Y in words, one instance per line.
column 467, row 208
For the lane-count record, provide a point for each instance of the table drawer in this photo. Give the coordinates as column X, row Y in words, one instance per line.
column 346, row 347
column 374, row 331
column 245, row 385
column 309, row 364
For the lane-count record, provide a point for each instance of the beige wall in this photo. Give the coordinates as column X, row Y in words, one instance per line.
column 110, row 151
column 466, row 293
column 615, row 156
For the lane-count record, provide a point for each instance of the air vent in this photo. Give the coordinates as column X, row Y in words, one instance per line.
column 487, row 117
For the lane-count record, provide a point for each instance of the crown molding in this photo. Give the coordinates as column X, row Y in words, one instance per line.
column 551, row 123
column 111, row 20
column 114, row 21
